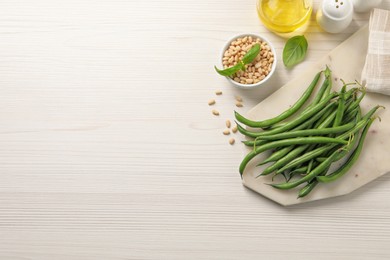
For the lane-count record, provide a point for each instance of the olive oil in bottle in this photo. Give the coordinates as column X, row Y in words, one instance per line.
column 284, row 16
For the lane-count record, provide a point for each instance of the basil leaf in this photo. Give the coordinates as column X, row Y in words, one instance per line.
column 248, row 58
column 251, row 54
column 294, row 51
column 230, row 71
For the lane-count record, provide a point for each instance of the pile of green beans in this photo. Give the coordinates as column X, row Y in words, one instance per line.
column 303, row 148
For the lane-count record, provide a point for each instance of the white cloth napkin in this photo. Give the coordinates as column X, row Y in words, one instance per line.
column 376, row 71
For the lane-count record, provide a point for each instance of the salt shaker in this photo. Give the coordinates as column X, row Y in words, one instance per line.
column 335, row 15
column 362, row 6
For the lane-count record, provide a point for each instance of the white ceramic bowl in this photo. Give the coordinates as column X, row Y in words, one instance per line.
column 258, row 84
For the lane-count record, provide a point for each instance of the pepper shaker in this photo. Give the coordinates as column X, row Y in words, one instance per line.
column 335, row 15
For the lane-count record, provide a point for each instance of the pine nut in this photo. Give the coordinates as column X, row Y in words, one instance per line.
column 211, row 102
column 239, row 104
column 226, row 132
column 228, row 124
column 215, row 112
column 218, row 92
column 234, row 129
column 231, row 141
column 238, row 98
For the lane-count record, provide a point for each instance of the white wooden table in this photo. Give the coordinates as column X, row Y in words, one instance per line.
column 108, row 149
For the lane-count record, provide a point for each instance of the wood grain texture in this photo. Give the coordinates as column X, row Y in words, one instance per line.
column 108, row 149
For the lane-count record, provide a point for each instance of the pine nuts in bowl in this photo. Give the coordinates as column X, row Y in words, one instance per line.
column 257, row 72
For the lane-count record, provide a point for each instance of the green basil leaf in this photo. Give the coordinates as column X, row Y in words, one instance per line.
column 230, row 71
column 251, row 54
column 294, row 51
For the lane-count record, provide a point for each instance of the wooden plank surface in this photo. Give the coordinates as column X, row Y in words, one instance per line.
column 108, row 149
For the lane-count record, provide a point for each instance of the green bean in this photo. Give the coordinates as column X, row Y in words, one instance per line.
column 290, row 156
column 320, row 159
column 320, row 150
column 328, row 121
column 371, row 112
column 302, row 169
column 310, row 185
column 328, row 74
column 251, row 143
column 355, row 115
column 325, row 116
column 294, row 108
column 310, row 166
column 308, row 132
column 340, row 109
column 358, row 115
column 350, row 146
column 350, row 93
column 291, row 174
column 351, row 160
column 308, row 124
column 306, row 157
column 302, row 118
column 301, row 126
column 273, row 126
column 356, row 103
column 277, row 155
column 286, row 142
column 298, row 150
column 316, row 171
column 307, row 189
column 322, row 91
column 351, row 115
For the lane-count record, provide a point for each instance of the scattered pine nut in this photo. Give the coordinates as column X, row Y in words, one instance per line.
column 231, row 141
column 228, row 123
column 215, row 112
column 218, row 92
column 234, row 129
column 226, row 132
column 239, row 104
column 239, row 99
column 211, row 102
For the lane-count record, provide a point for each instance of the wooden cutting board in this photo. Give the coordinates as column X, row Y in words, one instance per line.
column 346, row 62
